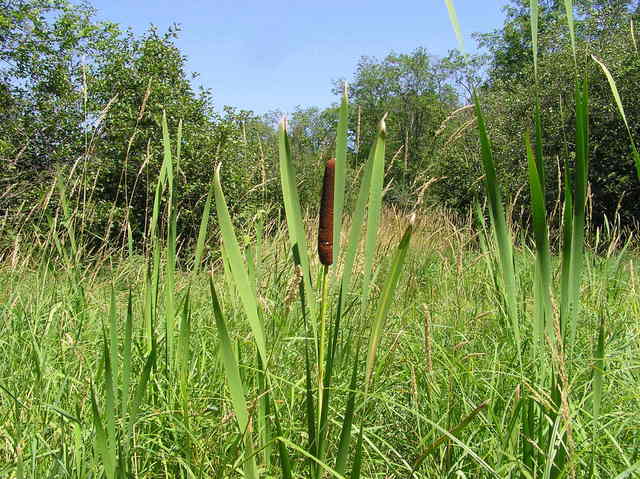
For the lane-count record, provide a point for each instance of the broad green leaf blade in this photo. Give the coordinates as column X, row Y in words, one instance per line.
column 236, row 387
column 579, row 202
column 357, row 219
column 453, row 18
column 203, row 230
column 170, row 251
column 295, row 223
column 108, row 460
column 126, row 354
column 340, row 171
column 373, row 214
column 388, row 292
column 533, row 5
column 543, row 254
column 110, row 412
column 567, row 231
column 568, row 8
column 499, row 222
column 238, row 270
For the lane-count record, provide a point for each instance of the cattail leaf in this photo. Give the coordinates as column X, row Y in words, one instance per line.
column 340, row 173
column 203, row 230
column 238, row 270
column 453, row 18
column 534, row 14
column 579, row 202
column 388, row 292
column 373, row 213
column 568, row 8
column 170, row 250
column 543, row 254
column 126, row 353
column 236, row 387
column 499, row 223
column 357, row 219
column 295, row 223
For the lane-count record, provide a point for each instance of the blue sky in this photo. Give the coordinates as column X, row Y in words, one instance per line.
column 268, row 55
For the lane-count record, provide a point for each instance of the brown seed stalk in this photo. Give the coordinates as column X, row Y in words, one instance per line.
column 325, row 226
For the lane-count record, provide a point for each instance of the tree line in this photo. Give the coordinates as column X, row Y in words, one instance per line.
column 83, row 100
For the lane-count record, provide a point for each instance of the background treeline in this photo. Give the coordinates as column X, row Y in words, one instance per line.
column 81, row 100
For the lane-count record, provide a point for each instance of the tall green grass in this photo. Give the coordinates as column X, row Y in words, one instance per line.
column 242, row 364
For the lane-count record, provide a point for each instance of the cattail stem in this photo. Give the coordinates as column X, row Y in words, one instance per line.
column 322, row 342
column 325, row 254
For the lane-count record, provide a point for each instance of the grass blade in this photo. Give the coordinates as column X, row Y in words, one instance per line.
column 388, row 292
column 373, row 214
column 543, row 253
column 499, row 222
column 618, row 100
column 295, row 223
column 238, row 271
column 236, row 386
column 340, row 171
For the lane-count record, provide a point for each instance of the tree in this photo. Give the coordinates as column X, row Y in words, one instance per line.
column 507, row 97
column 44, row 47
column 415, row 92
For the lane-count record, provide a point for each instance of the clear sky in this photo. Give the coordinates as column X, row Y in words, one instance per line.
column 266, row 55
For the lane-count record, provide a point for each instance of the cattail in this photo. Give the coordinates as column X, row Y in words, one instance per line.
column 325, row 227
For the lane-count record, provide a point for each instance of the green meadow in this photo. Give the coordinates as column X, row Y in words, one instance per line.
column 434, row 344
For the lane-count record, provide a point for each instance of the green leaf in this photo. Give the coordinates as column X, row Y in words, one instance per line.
column 453, row 18
column 340, row 171
column 618, row 100
column 295, row 223
column 232, row 371
column 238, row 270
column 388, row 292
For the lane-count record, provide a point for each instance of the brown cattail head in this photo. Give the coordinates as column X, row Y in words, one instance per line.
column 325, row 226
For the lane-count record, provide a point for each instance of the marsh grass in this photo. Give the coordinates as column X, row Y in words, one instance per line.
column 433, row 347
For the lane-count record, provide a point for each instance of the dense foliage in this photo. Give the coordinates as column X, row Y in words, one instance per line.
column 83, row 99
column 603, row 29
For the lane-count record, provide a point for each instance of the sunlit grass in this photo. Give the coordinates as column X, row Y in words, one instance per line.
column 431, row 347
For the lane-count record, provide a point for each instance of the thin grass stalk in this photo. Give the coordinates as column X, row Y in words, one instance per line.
column 325, row 253
column 618, row 100
column 170, row 250
column 597, row 383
